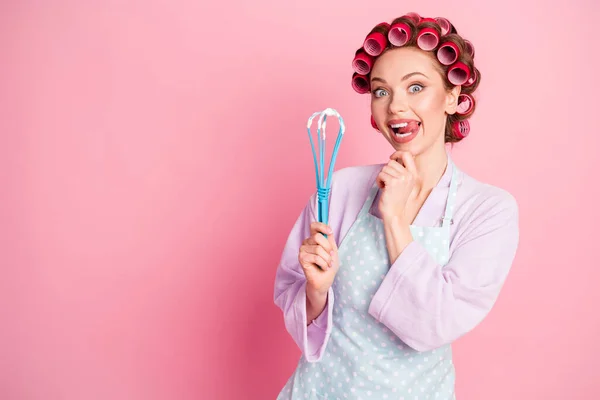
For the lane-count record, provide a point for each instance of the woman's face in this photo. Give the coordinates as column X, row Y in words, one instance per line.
column 409, row 101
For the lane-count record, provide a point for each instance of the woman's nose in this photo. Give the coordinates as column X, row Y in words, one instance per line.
column 398, row 104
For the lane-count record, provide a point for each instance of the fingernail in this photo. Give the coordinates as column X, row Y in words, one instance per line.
column 329, row 230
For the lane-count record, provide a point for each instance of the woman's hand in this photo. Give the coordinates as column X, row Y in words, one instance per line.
column 318, row 257
column 399, row 181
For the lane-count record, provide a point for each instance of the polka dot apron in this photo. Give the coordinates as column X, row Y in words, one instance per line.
column 364, row 359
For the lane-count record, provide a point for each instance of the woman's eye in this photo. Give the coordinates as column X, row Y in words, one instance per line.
column 415, row 88
column 379, row 92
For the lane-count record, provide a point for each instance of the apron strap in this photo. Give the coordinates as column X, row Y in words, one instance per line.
column 370, row 199
column 449, row 212
column 447, row 220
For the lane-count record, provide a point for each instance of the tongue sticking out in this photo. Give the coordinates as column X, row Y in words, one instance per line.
column 412, row 126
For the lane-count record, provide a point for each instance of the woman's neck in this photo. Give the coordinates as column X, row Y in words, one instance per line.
column 431, row 166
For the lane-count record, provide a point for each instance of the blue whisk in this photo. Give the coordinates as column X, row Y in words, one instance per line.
column 324, row 185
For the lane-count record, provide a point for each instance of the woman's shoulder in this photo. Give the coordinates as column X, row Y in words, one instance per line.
column 482, row 198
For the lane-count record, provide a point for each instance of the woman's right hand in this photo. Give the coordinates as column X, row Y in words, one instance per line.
column 318, row 257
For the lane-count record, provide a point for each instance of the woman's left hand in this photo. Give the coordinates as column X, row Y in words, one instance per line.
column 399, row 181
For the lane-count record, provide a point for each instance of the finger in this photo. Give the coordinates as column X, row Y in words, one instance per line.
column 333, row 244
column 396, row 166
column 380, row 181
column 321, row 252
column 397, row 155
column 323, row 242
column 394, row 170
column 310, row 240
column 313, row 238
column 309, row 260
column 384, row 179
column 388, row 179
column 409, row 163
column 320, row 227
column 401, row 156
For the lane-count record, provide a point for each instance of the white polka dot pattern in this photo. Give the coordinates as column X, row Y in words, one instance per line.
column 364, row 359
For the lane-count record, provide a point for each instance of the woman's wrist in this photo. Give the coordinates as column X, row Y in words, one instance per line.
column 315, row 304
column 397, row 235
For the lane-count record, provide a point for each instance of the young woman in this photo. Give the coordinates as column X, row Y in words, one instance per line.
column 416, row 249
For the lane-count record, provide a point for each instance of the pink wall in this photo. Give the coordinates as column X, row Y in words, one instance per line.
column 154, row 158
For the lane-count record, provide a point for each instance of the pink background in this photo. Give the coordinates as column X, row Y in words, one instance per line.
column 154, row 158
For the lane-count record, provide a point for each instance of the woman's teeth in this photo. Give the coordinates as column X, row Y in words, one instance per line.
column 396, row 128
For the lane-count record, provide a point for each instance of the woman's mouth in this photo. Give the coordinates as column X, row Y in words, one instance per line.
column 404, row 131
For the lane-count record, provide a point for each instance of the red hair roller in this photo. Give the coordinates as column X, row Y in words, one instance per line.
column 376, row 42
column 428, row 39
column 448, row 53
column 470, row 48
column 465, row 104
column 360, row 83
column 461, row 129
column 458, row 73
column 362, row 63
column 444, row 24
column 423, row 20
column 374, row 124
column 399, row 34
column 414, row 16
column 471, row 79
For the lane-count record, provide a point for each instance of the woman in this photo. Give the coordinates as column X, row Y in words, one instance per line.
column 416, row 250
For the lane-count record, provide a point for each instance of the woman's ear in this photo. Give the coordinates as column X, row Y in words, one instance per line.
column 452, row 100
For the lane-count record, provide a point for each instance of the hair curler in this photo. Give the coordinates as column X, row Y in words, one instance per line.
column 470, row 48
column 428, row 39
column 445, row 26
column 448, row 53
column 374, row 124
column 414, row 16
column 471, row 79
column 362, row 62
column 360, row 83
column 324, row 184
column 458, row 73
column 465, row 104
column 376, row 41
column 399, row 34
column 461, row 128
column 430, row 20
